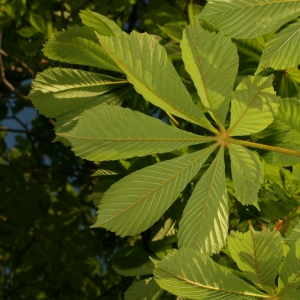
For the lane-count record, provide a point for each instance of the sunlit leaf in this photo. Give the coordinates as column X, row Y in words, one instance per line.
column 212, row 61
column 110, row 132
column 194, row 275
column 254, row 106
column 58, row 91
column 258, row 254
column 294, row 235
column 143, row 196
column 204, row 222
column 247, row 174
column 249, row 18
column 79, row 45
column 148, row 68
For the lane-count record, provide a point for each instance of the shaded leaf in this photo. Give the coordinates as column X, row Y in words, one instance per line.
column 254, row 105
column 247, row 18
column 173, row 30
column 143, row 196
column 191, row 274
column 148, row 68
column 132, row 261
column 258, row 254
column 58, row 91
column 204, row 222
column 294, row 235
column 247, row 174
column 111, row 132
column 79, row 45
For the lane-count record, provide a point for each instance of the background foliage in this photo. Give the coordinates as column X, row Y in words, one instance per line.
column 48, row 195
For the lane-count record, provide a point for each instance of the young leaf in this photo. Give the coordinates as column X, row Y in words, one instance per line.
column 58, row 91
column 247, row 18
column 100, row 23
column 282, row 50
column 212, row 61
column 204, row 222
column 108, row 133
column 143, row 196
column 253, row 107
column 79, row 45
column 194, row 275
column 132, row 261
column 247, row 174
column 146, row 289
column 258, row 254
column 148, row 68
column 289, row 276
column 294, row 235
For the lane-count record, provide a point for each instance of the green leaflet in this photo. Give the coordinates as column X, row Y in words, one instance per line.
column 194, row 275
column 247, row 174
column 148, row 68
column 111, row 132
column 100, row 23
column 132, row 261
column 172, row 30
column 289, row 276
column 58, row 91
column 193, row 10
column 294, row 235
column 258, row 254
column 79, row 45
column 254, row 105
column 212, row 61
column 143, row 196
column 249, row 18
column 282, row 50
column 204, row 222
column 146, row 289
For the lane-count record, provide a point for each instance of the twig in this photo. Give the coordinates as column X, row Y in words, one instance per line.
column 3, row 128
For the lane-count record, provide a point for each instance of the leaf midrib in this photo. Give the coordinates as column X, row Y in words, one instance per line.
column 209, row 149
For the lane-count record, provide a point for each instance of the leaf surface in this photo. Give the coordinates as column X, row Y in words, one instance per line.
column 58, row 91
column 132, row 261
column 212, row 61
column 143, row 196
column 294, row 235
column 249, row 18
column 111, row 132
column 172, row 30
column 148, row 68
column 79, row 45
column 194, row 275
column 100, row 23
column 258, row 254
column 146, row 289
column 247, row 174
column 282, row 50
column 253, row 106
column 204, row 222
column 289, row 275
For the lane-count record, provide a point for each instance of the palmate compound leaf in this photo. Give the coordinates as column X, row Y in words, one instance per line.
column 253, row 106
column 289, row 275
column 249, row 18
column 146, row 289
column 212, row 61
column 247, row 174
column 148, row 68
column 195, row 275
column 143, row 196
column 58, row 91
column 258, row 254
column 111, row 132
column 100, row 23
column 80, row 46
column 204, row 223
column 282, row 50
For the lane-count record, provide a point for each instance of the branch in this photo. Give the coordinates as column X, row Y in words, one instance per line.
column 3, row 128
